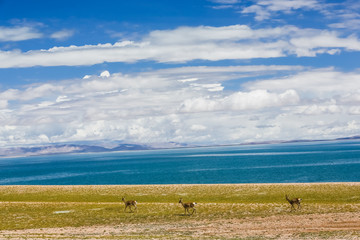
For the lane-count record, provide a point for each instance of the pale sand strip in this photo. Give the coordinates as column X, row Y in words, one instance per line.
column 341, row 226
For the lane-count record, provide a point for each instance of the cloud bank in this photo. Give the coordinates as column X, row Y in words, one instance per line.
column 188, row 104
column 186, row 44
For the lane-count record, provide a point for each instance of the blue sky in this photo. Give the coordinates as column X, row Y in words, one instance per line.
column 198, row 72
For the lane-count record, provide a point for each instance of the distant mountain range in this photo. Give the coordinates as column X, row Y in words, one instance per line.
column 114, row 146
column 81, row 148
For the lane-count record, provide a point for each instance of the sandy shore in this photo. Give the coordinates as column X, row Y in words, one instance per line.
column 311, row 226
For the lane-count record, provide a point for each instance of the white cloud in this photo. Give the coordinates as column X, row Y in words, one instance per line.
column 319, row 83
column 225, row 1
column 210, row 71
column 239, row 101
column 215, row 87
column 288, row 5
column 3, row 104
column 345, row 15
column 353, row 24
column 198, row 127
column 190, row 43
column 63, row 34
column 105, row 74
column 62, row 99
column 155, row 106
column 353, row 97
column 224, row 4
column 188, row 80
column 342, row 15
column 13, row 34
column 355, row 110
column 264, row 9
column 261, row 12
column 325, row 41
column 316, row 109
column 37, row 91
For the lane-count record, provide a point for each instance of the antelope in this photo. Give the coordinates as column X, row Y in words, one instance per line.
column 187, row 206
column 129, row 203
column 293, row 202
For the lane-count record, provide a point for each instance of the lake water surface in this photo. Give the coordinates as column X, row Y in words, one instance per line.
column 327, row 161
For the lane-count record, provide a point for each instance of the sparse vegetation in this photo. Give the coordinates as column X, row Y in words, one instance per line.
column 43, row 207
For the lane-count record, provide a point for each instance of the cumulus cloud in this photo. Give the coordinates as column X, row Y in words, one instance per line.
column 190, row 43
column 318, row 83
column 253, row 100
column 186, row 104
column 105, row 74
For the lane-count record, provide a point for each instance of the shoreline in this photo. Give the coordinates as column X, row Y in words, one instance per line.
column 181, row 184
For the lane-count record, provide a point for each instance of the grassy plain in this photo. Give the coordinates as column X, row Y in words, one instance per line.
column 224, row 211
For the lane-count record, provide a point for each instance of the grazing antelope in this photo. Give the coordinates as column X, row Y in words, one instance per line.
column 129, row 203
column 293, row 202
column 187, row 206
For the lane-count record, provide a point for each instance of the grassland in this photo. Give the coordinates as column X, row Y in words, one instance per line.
column 229, row 211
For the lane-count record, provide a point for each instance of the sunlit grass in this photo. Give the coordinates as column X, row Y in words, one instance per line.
column 25, row 207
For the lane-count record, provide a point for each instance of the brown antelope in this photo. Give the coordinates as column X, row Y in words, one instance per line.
column 293, row 202
column 187, row 206
column 129, row 203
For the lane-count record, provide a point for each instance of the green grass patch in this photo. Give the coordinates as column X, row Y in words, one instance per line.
column 25, row 207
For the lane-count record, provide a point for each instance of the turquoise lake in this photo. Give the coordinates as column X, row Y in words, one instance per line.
column 323, row 161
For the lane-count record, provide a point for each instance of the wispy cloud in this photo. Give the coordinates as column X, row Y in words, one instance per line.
column 265, row 9
column 346, row 15
column 19, row 33
column 63, row 34
column 190, row 43
column 225, row 1
column 223, row 4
